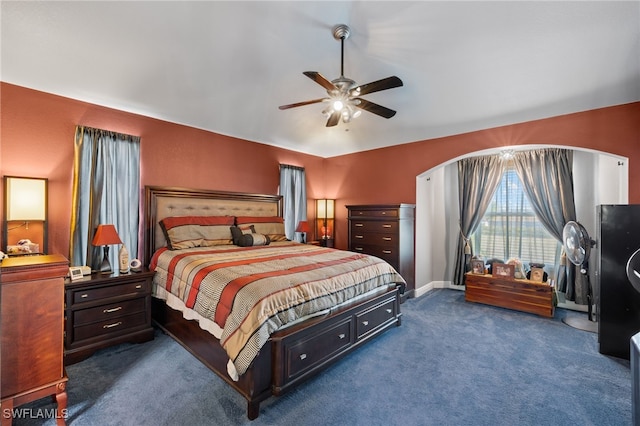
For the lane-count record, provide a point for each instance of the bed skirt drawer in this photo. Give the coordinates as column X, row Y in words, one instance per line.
column 369, row 321
column 304, row 354
column 301, row 351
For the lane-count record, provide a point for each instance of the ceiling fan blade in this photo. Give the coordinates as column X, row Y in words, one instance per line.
column 374, row 108
column 334, row 119
column 320, row 79
column 314, row 101
column 376, row 86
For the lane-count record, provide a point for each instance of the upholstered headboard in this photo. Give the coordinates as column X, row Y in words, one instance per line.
column 162, row 202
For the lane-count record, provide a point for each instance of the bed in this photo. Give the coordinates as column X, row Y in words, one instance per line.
column 262, row 312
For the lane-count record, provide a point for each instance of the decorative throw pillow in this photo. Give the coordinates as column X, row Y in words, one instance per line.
column 249, row 240
column 273, row 226
column 196, row 231
column 238, row 231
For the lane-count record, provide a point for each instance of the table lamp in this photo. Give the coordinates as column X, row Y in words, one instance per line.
column 105, row 236
column 303, row 227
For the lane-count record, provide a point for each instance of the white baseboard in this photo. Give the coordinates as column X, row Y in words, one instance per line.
column 426, row 288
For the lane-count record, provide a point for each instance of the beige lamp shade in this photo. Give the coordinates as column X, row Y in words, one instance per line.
column 325, row 209
column 26, row 199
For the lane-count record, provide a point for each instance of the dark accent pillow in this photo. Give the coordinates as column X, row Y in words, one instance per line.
column 238, row 231
column 250, row 240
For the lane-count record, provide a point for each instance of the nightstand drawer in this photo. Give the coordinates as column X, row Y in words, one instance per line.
column 87, row 295
column 113, row 325
column 106, row 312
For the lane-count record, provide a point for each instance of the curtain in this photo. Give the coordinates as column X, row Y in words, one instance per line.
column 106, row 190
column 478, row 178
column 547, row 179
column 293, row 188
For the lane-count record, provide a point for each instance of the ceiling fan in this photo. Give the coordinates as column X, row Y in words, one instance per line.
column 344, row 94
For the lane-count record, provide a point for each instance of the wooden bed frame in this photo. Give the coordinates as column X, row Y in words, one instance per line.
column 290, row 356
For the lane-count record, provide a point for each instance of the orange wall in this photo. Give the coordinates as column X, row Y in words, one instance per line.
column 37, row 130
column 388, row 175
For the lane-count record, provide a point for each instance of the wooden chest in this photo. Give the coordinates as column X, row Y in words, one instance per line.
column 521, row 295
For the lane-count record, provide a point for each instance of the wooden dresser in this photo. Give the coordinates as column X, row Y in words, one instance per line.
column 386, row 231
column 102, row 310
column 32, row 322
column 521, row 295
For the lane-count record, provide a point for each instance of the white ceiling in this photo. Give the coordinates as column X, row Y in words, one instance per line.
column 227, row 66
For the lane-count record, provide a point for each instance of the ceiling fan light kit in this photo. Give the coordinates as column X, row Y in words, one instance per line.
column 344, row 100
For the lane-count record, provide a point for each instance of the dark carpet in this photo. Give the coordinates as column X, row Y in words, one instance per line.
column 449, row 363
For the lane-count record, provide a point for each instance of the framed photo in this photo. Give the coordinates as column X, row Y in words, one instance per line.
column 537, row 275
column 477, row 266
column 503, row 270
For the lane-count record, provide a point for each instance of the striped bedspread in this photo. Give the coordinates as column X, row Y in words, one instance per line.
column 250, row 292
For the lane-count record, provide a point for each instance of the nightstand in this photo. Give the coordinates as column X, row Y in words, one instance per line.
column 102, row 310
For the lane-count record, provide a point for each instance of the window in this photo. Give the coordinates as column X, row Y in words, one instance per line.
column 106, row 189
column 510, row 228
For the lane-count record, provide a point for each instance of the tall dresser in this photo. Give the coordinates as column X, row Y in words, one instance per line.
column 386, row 231
column 32, row 322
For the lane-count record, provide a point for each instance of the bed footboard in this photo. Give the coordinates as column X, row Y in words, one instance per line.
column 293, row 355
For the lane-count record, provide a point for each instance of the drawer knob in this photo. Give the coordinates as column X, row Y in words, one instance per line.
column 341, row 336
column 386, row 226
column 83, row 296
column 359, row 236
column 359, row 224
column 389, row 311
column 115, row 324
column 365, row 323
column 108, row 311
column 386, row 238
column 384, row 212
column 358, row 248
column 139, row 286
column 386, row 251
column 303, row 356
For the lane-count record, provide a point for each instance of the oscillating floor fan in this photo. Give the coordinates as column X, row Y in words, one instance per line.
column 577, row 246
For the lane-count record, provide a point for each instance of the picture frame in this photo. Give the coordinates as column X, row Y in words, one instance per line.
column 503, row 270
column 536, row 275
column 477, row 267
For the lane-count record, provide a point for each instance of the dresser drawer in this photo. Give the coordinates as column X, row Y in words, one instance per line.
column 106, row 312
column 360, row 226
column 112, row 325
column 388, row 254
column 369, row 321
column 306, row 353
column 374, row 213
column 88, row 295
column 374, row 238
